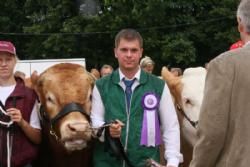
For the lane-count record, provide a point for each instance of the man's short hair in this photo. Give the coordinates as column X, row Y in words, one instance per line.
column 130, row 35
column 107, row 66
column 243, row 12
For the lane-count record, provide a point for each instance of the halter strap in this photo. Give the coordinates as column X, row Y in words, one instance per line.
column 68, row 108
column 193, row 123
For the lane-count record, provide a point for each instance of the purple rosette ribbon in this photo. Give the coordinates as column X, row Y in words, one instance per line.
column 150, row 133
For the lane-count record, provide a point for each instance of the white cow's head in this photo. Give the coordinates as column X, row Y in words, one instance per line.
column 187, row 91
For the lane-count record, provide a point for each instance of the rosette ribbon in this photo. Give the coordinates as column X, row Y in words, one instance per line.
column 150, row 133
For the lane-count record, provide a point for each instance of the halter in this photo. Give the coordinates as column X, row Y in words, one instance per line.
column 193, row 123
column 68, row 108
column 9, row 138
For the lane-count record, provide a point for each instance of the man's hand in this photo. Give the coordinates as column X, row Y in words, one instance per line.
column 115, row 129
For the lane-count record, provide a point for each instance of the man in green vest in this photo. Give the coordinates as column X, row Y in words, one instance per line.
column 141, row 106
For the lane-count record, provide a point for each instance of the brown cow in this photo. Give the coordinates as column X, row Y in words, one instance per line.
column 65, row 91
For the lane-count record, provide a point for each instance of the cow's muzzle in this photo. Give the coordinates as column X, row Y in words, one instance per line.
column 68, row 108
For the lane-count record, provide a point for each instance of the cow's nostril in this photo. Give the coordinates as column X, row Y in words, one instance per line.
column 71, row 127
column 78, row 127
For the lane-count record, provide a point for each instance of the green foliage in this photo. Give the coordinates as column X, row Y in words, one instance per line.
column 178, row 50
column 179, row 33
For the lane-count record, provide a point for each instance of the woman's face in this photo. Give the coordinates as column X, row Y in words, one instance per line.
column 7, row 65
column 149, row 68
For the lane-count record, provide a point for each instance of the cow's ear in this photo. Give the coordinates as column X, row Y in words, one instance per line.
column 91, row 79
column 34, row 78
column 167, row 76
column 174, row 82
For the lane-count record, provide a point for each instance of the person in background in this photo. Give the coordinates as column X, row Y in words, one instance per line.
column 95, row 73
column 223, row 129
column 20, row 74
column 139, row 104
column 18, row 105
column 176, row 71
column 106, row 69
column 236, row 45
column 147, row 64
column 206, row 65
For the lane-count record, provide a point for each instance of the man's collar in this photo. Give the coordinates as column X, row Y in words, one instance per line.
column 137, row 75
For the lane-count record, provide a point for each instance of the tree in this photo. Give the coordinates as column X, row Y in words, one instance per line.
column 178, row 33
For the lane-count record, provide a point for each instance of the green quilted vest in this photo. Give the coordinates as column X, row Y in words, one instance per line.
column 113, row 97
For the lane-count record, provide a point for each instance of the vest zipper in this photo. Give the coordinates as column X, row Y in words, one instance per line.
column 128, row 123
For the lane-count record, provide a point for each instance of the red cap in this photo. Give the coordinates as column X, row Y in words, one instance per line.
column 6, row 46
column 236, row 45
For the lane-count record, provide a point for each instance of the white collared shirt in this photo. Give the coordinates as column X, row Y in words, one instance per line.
column 168, row 118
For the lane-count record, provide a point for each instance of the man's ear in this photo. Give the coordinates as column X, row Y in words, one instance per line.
column 240, row 26
column 141, row 52
column 115, row 52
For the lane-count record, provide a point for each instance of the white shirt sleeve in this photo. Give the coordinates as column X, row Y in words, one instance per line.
column 34, row 118
column 97, row 111
column 170, row 128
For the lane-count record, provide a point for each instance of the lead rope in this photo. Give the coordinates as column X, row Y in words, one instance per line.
column 9, row 140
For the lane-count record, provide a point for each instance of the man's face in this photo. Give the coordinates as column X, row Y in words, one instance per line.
column 128, row 54
column 7, row 64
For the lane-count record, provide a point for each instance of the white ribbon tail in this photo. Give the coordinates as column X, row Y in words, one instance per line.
column 151, row 128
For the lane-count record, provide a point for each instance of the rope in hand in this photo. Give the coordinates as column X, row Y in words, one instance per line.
column 9, row 140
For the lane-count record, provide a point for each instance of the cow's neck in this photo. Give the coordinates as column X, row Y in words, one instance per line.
column 189, row 132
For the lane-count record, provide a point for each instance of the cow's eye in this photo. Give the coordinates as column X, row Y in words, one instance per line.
column 49, row 99
column 188, row 101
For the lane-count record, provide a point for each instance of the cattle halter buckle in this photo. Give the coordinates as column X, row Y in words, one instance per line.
column 53, row 133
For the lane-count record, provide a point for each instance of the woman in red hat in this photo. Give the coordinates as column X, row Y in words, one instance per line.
column 20, row 131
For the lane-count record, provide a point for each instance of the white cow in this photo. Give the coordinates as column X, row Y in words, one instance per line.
column 187, row 91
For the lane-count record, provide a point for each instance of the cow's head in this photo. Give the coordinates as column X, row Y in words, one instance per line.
column 66, row 88
column 187, row 91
